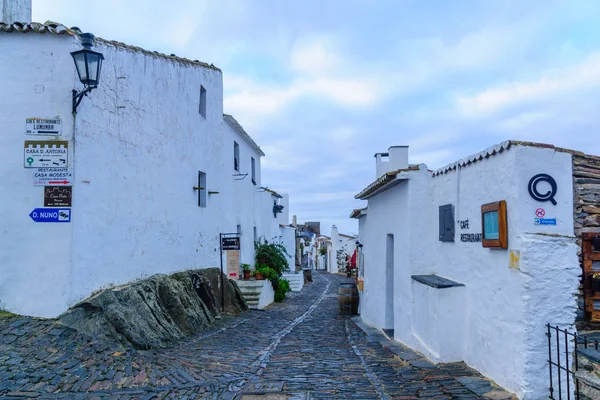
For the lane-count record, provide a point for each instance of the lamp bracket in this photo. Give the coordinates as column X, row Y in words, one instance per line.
column 239, row 177
column 78, row 96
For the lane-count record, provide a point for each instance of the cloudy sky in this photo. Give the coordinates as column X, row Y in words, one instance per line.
column 322, row 85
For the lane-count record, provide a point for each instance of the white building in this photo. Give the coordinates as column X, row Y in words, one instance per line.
column 429, row 275
column 154, row 179
column 342, row 246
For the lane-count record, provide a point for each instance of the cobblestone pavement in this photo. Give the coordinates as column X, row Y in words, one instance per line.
column 298, row 349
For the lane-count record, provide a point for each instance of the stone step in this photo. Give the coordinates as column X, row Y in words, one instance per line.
column 251, row 291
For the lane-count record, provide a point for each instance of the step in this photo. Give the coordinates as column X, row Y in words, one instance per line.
column 258, row 294
column 296, row 281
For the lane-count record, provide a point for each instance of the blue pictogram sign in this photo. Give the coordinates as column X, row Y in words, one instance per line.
column 51, row 215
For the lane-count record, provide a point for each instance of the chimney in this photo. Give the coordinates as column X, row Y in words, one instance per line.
column 398, row 157
column 382, row 164
column 12, row 11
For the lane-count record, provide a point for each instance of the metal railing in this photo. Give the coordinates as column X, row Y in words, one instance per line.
column 560, row 343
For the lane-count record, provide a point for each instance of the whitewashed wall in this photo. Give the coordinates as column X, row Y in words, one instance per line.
column 139, row 143
column 496, row 321
column 15, row 11
column 35, row 258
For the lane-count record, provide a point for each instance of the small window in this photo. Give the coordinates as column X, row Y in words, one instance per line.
column 446, row 223
column 236, row 156
column 202, row 107
column 255, row 232
column 202, row 191
column 494, row 225
column 253, row 165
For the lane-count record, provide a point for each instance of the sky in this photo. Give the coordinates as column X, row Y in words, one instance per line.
column 323, row 85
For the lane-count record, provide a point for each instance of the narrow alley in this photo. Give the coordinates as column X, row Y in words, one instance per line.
column 298, row 349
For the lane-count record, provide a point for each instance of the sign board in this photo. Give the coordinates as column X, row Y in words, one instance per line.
column 53, row 177
column 56, row 196
column 43, row 126
column 233, row 264
column 48, row 153
column 51, row 215
column 545, row 221
column 230, row 243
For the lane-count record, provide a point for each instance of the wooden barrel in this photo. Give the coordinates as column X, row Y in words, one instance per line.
column 348, row 298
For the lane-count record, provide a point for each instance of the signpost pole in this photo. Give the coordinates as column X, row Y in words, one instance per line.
column 221, row 277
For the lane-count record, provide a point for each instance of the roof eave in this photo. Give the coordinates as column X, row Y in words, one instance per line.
column 365, row 195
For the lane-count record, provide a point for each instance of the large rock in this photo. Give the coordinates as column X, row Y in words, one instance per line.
column 155, row 311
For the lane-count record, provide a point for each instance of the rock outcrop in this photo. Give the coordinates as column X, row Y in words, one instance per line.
column 156, row 311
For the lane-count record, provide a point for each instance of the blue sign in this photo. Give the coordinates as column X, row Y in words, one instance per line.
column 545, row 221
column 51, row 215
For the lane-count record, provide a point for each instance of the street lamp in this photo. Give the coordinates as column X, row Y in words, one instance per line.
column 88, row 64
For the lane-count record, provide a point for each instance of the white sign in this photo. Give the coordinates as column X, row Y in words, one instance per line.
column 53, row 177
column 43, row 126
column 49, row 153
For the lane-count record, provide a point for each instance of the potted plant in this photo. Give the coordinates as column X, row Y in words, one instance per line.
column 264, row 272
column 596, row 282
column 246, row 271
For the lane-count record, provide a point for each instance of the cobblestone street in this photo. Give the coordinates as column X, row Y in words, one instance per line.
column 298, row 349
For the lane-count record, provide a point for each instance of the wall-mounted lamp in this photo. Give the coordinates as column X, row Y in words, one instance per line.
column 359, row 244
column 88, row 64
column 277, row 209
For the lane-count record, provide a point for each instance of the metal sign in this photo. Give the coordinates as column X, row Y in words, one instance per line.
column 53, row 177
column 545, row 221
column 43, row 126
column 230, row 243
column 49, row 153
column 548, row 196
column 51, row 215
column 233, row 264
column 56, row 196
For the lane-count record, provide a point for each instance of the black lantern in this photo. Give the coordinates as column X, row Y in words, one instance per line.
column 88, row 64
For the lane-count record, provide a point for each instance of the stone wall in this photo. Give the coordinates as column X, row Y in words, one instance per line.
column 586, row 200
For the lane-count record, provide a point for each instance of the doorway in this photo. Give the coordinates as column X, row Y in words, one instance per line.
column 389, row 282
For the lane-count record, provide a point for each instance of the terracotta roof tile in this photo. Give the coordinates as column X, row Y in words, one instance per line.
column 238, row 128
column 382, row 181
column 59, row 29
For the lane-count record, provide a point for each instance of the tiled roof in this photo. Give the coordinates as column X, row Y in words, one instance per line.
column 274, row 193
column 358, row 212
column 48, row 27
column 238, row 128
column 489, row 152
column 59, row 29
column 382, row 181
column 494, row 150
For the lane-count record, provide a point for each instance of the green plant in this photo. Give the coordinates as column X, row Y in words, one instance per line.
column 323, row 251
column 272, row 255
column 245, row 267
column 266, row 272
column 283, row 286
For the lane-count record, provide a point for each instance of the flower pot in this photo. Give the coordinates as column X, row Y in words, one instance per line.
column 247, row 274
column 259, row 276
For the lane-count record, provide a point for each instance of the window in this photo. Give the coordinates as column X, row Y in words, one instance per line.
column 202, row 191
column 494, row 225
column 202, row 107
column 236, row 156
column 446, row 223
column 253, row 164
column 255, row 234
